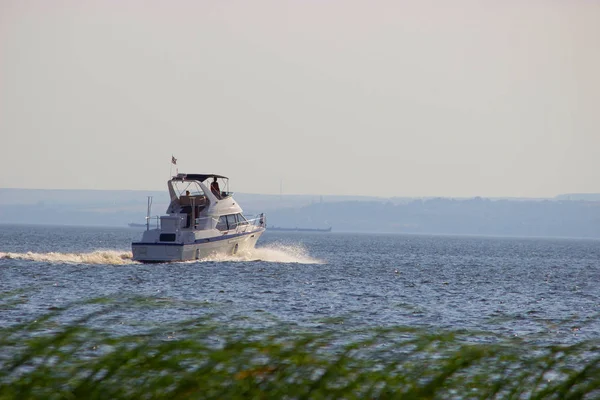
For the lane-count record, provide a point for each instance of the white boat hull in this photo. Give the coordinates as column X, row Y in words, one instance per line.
column 199, row 224
column 172, row 252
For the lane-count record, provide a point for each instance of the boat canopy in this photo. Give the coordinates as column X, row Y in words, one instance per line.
column 197, row 177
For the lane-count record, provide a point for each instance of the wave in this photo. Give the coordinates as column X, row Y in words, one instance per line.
column 277, row 253
column 114, row 257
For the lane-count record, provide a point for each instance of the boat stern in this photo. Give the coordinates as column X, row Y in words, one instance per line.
column 157, row 252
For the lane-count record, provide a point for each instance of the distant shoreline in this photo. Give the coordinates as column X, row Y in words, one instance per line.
column 566, row 216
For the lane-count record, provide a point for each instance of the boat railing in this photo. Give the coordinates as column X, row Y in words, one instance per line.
column 260, row 221
column 154, row 222
column 150, row 222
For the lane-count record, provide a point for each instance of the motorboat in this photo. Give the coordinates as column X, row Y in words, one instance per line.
column 200, row 221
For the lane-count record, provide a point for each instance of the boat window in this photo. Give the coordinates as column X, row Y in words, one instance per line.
column 167, row 237
column 231, row 221
column 222, row 224
column 241, row 220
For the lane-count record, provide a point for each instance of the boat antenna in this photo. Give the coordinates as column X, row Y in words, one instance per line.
column 148, row 212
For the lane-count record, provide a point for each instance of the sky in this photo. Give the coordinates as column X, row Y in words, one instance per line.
column 325, row 97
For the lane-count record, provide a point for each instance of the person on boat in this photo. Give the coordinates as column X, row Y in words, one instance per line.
column 187, row 192
column 214, row 187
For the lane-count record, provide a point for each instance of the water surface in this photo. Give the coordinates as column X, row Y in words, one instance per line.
column 538, row 289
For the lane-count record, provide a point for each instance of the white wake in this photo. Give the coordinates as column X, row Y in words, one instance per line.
column 95, row 257
column 278, row 253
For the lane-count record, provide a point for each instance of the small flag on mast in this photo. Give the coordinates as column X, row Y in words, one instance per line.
column 173, row 160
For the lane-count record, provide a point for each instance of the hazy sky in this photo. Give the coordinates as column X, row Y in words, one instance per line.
column 390, row 98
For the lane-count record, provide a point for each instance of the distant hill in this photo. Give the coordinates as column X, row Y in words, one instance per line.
column 76, row 197
column 476, row 216
column 563, row 216
column 119, row 207
column 579, row 196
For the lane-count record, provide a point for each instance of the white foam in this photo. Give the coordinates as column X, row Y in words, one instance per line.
column 96, row 257
column 278, row 253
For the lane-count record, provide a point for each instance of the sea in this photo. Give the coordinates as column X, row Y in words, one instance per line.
column 543, row 290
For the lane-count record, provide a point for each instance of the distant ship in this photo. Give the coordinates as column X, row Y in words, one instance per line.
column 134, row 225
column 278, row 228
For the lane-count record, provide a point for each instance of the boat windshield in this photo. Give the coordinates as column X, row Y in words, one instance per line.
column 188, row 188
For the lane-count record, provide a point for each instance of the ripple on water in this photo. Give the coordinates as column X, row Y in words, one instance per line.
column 499, row 285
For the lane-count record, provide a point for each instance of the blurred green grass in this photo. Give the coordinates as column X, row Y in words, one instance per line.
column 208, row 359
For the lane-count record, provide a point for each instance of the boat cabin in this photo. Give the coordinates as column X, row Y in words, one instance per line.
column 199, row 199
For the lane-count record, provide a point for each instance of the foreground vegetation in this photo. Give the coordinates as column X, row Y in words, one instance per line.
column 47, row 359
